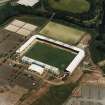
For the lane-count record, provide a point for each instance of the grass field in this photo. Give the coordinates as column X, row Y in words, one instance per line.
column 56, row 95
column 36, row 20
column 63, row 33
column 50, row 55
column 74, row 6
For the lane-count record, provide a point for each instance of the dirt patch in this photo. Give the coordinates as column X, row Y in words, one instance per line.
column 36, row 95
column 9, row 41
column 11, row 96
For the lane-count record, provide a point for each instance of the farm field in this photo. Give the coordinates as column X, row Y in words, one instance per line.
column 9, row 42
column 50, row 55
column 74, row 6
column 35, row 20
column 63, row 33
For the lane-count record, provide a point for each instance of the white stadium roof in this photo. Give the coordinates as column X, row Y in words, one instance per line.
column 36, row 68
column 28, row 2
column 24, row 46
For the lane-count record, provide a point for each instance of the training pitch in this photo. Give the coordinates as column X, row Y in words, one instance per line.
column 63, row 33
column 51, row 55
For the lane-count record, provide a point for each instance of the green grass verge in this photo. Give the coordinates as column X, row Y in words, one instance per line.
column 50, row 55
column 74, row 6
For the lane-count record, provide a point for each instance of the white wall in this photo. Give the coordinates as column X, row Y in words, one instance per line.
column 2, row 2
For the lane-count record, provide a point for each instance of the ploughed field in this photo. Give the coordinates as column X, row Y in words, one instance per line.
column 50, row 55
column 9, row 42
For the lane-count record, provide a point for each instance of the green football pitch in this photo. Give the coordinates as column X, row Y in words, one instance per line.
column 50, row 55
column 63, row 33
column 74, row 6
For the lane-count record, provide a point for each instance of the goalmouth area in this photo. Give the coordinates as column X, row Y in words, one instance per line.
column 51, row 54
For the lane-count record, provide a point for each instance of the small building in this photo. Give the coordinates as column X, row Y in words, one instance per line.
column 36, row 68
column 28, row 2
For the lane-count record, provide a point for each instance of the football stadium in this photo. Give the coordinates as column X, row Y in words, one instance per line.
column 43, row 53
